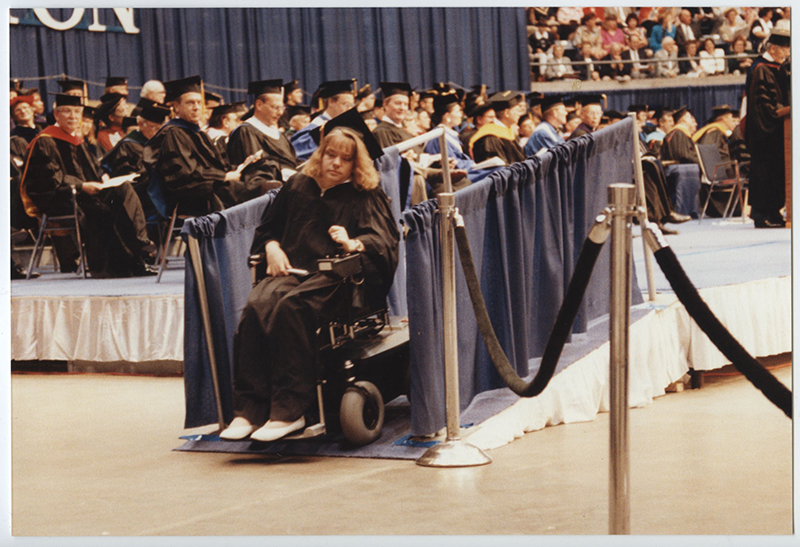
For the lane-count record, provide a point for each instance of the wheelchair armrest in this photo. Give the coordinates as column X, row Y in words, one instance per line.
column 346, row 266
column 258, row 267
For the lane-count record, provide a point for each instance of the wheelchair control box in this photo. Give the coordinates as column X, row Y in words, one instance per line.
column 341, row 266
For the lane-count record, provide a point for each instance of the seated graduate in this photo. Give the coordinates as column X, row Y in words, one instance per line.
column 498, row 139
column 111, row 218
column 333, row 205
column 678, row 146
column 338, row 97
column 548, row 133
column 185, row 159
column 260, row 132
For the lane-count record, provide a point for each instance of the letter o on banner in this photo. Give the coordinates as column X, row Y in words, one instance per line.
column 47, row 20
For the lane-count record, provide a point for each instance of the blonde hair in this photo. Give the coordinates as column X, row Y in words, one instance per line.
column 365, row 176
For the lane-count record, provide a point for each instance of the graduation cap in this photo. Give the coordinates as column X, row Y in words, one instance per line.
column 155, row 113
column 614, row 115
column 89, row 112
column 639, row 108
column 428, row 93
column 535, row 98
column 110, row 102
column 590, row 99
column 661, row 111
column 21, row 99
column 678, row 113
column 288, row 87
column 15, row 85
column 225, row 109
column 129, row 121
column 143, row 103
column 70, row 85
column 721, row 110
column 209, row 96
column 363, row 92
column 503, row 100
column 477, row 107
column 352, row 120
column 301, row 109
column 780, row 37
column 550, row 102
column 326, row 90
column 68, row 100
column 112, row 81
column 176, row 88
column 441, row 102
column 395, row 88
column 573, row 101
column 262, row 87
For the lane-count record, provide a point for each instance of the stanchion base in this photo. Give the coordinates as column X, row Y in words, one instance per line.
column 453, row 454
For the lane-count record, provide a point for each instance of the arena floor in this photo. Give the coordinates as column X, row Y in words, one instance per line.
column 92, row 455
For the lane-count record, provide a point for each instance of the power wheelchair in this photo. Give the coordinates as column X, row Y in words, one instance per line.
column 363, row 358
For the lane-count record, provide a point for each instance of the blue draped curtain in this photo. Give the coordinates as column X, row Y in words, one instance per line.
column 526, row 224
column 230, row 47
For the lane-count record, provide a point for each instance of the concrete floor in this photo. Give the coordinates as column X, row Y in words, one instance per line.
column 92, row 456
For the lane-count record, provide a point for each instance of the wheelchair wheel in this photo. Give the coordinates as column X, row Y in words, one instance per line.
column 361, row 413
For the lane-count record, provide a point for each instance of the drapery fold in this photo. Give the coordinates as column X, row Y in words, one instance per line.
column 231, row 46
column 526, row 224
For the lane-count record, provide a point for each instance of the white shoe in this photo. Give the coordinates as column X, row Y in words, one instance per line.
column 270, row 433
column 239, row 429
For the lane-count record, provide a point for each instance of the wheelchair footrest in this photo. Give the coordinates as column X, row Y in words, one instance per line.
column 316, row 430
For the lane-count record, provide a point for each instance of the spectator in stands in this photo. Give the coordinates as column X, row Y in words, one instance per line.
column 587, row 69
column 685, row 31
column 678, row 145
column 591, row 115
column 568, row 21
column 112, row 221
column 184, row 159
column 619, row 68
column 665, row 28
column 760, row 29
column 541, row 40
column 154, row 91
column 632, row 27
column 712, row 58
column 733, row 26
column 559, row 66
column 637, row 53
column 589, row 32
column 610, row 33
column 691, row 66
column 23, row 117
column 666, row 64
column 742, row 62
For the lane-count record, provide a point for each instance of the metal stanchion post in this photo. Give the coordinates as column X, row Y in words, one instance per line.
column 642, row 202
column 622, row 198
column 453, row 452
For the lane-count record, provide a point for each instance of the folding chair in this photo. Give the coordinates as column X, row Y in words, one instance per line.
column 157, row 196
column 714, row 174
column 50, row 224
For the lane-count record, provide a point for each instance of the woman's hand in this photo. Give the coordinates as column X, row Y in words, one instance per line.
column 91, row 188
column 339, row 235
column 277, row 261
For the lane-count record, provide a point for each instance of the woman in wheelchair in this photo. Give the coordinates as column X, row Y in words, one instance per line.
column 332, row 206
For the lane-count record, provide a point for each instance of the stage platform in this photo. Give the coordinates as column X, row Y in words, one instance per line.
column 136, row 325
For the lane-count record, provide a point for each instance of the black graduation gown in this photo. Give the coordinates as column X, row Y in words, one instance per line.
column 490, row 146
column 126, row 158
column 581, row 130
column 387, row 134
column 184, row 160
column 767, row 92
column 678, row 146
column 279, row 154
column 275, row 346
column 19, row 218
column 112, row 222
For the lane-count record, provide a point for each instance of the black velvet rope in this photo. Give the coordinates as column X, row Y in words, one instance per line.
column 745, row 363
column 561, row 328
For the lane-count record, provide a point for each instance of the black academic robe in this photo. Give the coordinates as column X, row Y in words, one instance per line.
column 112, row 222
column 582, row 129
column 27, row 133
column 387, row 134
column 289, row 112
column 679, row 147
column 767, row 92
column 126, row 158
column 275, row 345
column 189, row 168
column 19, row 218
column 279, row 154
column 490, row 146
